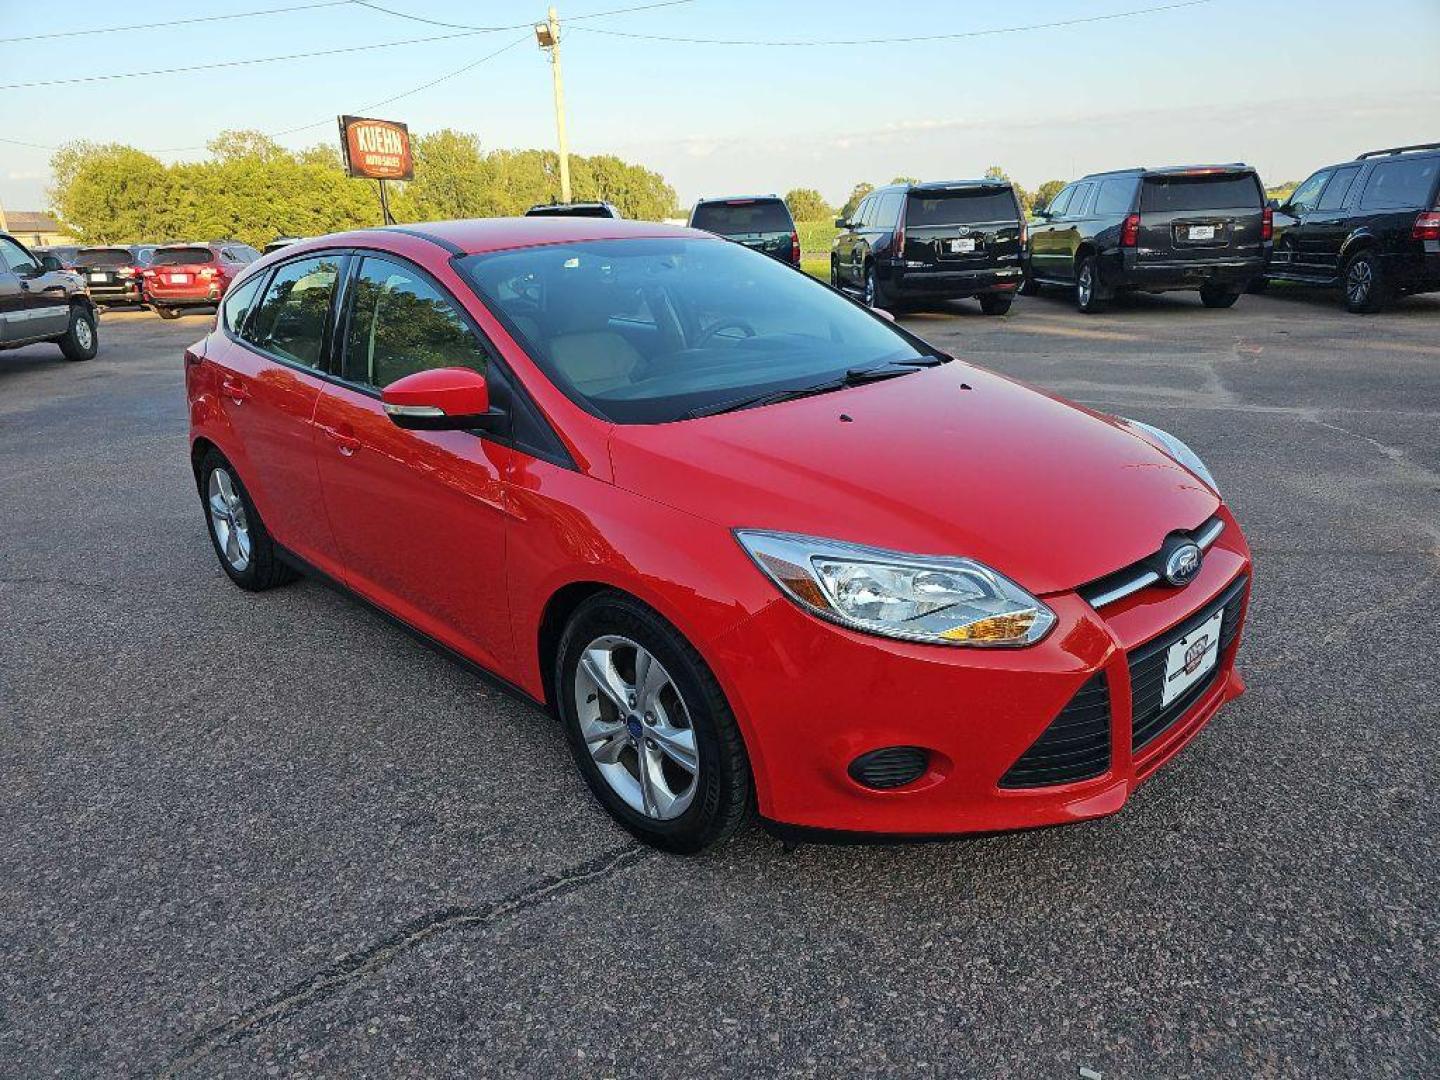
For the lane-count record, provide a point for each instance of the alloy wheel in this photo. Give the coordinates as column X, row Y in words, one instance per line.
column 228, row 520
column 870, row 289
column 1359, row 280
column 636, row 726
column 1085, row 285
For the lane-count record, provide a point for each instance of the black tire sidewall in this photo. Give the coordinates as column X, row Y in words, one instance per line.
column 1096, row 302
column 1377, row 296
column 1218, row 296
column 70, row 346
column 722, row 800
column 995, row 305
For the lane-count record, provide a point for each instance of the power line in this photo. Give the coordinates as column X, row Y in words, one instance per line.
column 430, row 22
column 568, row 18
column 176, row 22
column 895, row 40
column 254, row 60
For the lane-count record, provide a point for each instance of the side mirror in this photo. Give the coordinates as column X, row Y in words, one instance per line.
column 1040, row 211
column 1274, row 204
column 50, row 262
column 887, row 316
column 841, row 223
column 442, row 399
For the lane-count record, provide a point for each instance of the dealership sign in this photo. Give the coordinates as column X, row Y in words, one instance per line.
column 376, row 149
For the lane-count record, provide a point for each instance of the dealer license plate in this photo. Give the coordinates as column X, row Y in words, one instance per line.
column 1202, row 232
column 962, row 247
column 1191, row 658
column 178, row 279
column 99, row 279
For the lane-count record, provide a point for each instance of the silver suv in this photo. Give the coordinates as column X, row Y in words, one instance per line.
column 41, row 301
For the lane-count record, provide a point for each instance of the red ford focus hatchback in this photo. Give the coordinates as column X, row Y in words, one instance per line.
column 754, row 545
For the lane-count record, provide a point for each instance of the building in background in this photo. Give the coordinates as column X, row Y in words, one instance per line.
column 34, row 228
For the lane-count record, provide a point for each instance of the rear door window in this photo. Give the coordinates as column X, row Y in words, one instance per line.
column 182, row 256
column 290, row 321
column 1338, row 188
column 1080, row 202
column 1219, row 191
column 1401, row 185
column 738, row 218
column 961, row 206
column 400, row 324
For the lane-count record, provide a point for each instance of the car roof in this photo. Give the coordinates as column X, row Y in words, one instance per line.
column 946, row 185
column 1173, row 170
column 475, row 236
column 738, row 198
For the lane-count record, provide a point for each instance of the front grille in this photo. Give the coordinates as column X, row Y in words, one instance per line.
column 1076, row 745
column 1149, row 719
column 1146, row 572
column 893, row 767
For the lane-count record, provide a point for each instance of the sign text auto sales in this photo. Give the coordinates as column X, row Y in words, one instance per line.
column 376, row 149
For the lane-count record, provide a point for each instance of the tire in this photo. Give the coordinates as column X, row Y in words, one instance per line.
column 875, row 296
column 685, row 811
column 1366, row 290
column 835, row 274
column 1087, row 287
column 230, row 516
column 1029, row 286
column 82, row 337
column 1258, row 285
column 1218, row 296
column 995, row 304
column 166, row 312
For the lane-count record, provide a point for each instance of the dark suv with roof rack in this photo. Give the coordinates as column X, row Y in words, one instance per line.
column 1370, row 226
column 1153, row 230
column 944, row 240
column 115, row 274
column 762, row 222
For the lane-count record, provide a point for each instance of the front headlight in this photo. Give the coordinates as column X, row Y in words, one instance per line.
column 944, row 601
column 1177, row 450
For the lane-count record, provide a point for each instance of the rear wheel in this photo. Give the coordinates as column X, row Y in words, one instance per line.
column 246, row 552
column 649, row 727
column 1258, row 285
column 1218, row 296
column 1087, row 287
column 874, row 297
column 994, row 303
column 82, row 339
column 834, row 273
column 1029, row 286
column 1366, row 290
column 166, row 312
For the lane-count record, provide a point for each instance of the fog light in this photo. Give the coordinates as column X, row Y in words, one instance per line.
column 892, row 767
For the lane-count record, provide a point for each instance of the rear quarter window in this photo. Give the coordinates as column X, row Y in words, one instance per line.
column 964, row 206
column 731, row 219
column 1401, row 185
column 1182, row 193
column 1116, row 197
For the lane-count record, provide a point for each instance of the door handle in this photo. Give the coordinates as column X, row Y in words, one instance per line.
column 345, row 442
column 235, row 391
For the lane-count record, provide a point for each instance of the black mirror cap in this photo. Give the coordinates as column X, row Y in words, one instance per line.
column 841, row 223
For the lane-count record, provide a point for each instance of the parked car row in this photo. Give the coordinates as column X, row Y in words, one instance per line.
column 1371, row 226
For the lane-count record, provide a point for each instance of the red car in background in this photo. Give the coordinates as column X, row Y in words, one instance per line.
column 753, row 544
column 192, row 275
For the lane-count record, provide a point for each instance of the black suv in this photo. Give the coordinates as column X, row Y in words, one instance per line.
column 1153, row 230
column 941, row 241
column 762, row 222
column 114, row 274
column 574, row 209
column 1371, row 225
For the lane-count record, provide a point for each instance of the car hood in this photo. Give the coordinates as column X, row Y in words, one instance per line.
column 951, row 460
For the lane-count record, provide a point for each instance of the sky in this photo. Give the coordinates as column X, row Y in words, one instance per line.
column 1272, row 83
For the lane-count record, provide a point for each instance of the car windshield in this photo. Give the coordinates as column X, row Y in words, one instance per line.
column 742, row 216
column 1219, row 191
column 645, row 331
column 963, row 206
column 109, row 257
column 182, row 256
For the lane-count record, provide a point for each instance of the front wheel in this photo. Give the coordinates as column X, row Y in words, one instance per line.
column 247, row 554
column 1366, row 290
column 1218, row 296
column 82, row 339
column 835, row 273
column 873, row 296
column 995, row 304
column 649, row 727
column 1087, row 287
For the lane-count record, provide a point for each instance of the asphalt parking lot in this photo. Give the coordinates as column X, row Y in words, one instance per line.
column 273, row 835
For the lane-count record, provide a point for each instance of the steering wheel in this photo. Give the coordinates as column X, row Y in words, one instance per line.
column 724, row 324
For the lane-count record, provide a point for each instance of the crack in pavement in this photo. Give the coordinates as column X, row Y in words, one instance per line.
column 354, row 966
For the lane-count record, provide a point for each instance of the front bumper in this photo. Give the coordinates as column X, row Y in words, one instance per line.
column 811, row 697
column 952, row 284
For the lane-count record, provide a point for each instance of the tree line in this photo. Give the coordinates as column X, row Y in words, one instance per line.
column 807, row 204
column 252, row 189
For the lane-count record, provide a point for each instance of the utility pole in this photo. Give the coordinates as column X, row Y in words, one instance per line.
column 547, row 35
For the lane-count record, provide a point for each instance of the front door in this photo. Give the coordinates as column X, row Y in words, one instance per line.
column 1295, row 248
column 1327, row 226
column 1047, row 244
column 39, row 304
column 419, row 515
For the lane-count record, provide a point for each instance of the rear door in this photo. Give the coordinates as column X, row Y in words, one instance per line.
column 963, row 227
column 419, row 515
column 1200, row 215
column 269, row 363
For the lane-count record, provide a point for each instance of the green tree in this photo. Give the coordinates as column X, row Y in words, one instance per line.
column 246, row 145
column 807, row 204
column 857, row 195
column 108, row 194
column 996, row 172
column 905, row 180
column 1046, row 192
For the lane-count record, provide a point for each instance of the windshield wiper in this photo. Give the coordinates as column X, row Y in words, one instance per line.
column 854, row 377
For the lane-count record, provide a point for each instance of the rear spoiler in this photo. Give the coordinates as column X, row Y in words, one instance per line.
column 1398, row 150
